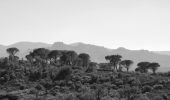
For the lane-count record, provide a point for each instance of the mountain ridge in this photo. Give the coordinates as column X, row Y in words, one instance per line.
column 163, row 52
column 97, row 53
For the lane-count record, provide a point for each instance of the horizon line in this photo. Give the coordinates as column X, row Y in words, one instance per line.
column 77, row 43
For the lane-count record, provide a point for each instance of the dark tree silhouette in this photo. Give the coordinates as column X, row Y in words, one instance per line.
column 63, row 58
column 92, row 67
column 12, row 52
column 85, row 59
column 68, row 57
column 63, row 73
column 143, row 67
column 55, row 55
column 78, row 62
column 71, row 57
column 29, row 57
column 153, row 66
column 114, row 60
column 126, row 64
column 41, row 52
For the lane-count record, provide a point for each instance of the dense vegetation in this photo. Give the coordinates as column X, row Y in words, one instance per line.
column 65, row 75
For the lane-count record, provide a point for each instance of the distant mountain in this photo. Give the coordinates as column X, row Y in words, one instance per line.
column 163, row 52
column 97, row 53
column 24, row 47
column 29, row 45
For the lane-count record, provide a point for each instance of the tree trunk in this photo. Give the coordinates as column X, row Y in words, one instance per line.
column 154, row 72
column 116, row 68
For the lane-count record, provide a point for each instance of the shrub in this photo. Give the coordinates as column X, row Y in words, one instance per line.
column 22, row 87
column 33, row 91
column 103, row 79
column 63, row 73
column 135, row 82
column 168, row 73
column 146, row 88
column 34, row 75
column 86, row 79
column 139, row 97
column 114, row 93
column 70, row 96
column 46, row 83
column 10, row 97
column 142, row 97
column 86, row 96
column 99, row 92
column 78, row 85
column 118, row 82
column 155, row 96
column 158, row 87
column 106, row 98
column 94, row 78
column 39, row 87
column 127, row 92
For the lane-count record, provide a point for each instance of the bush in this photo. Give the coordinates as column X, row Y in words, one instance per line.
column 142, row 97
column 33, row 91
column 146, row 88
column 106, row 98
column 158, row 87
column 94, row 78
column 70, row 96
column 86, row 96
column 34, row 75
column 155, row 96
column 135, row 82
column 22, row 87
column 39, row 87
column 46, row 83
column 9, row 97
column 103, row 79
column 127, row 91
column 63, row 73
column 114, row 93
column 118, row 82
column 168, row 74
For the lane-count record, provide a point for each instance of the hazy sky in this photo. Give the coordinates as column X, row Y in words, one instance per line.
column 133, row 24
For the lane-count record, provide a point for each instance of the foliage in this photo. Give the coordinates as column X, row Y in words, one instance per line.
column 126, row 64
column 114, row 60
column 85, row 59
column 66, row 75
column 63, row 73
column 142, row 67
column 153, row 66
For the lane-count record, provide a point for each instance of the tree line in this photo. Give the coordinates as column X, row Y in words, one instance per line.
column 71, row 58
column 143, row 67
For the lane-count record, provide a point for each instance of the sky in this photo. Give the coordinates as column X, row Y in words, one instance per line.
column 133, row 24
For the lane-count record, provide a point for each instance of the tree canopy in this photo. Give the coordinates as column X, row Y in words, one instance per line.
column 114, row 60
column 126, row 64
